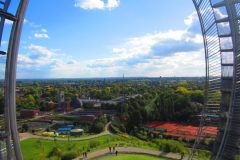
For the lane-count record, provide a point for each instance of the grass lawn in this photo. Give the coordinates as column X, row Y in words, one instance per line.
column 39, row 149
column 131, row 157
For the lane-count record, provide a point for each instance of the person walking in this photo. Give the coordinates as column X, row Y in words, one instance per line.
column 110, row 149
column 182, row 156
column 116, row 153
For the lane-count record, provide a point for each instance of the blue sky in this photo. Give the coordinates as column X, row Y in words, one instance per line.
column 106, row 38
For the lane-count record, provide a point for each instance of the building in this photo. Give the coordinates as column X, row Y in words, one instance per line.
column 76, row 132
column 87, row 118
column 29, row 113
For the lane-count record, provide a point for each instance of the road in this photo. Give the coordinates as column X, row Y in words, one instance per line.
column 132, row 150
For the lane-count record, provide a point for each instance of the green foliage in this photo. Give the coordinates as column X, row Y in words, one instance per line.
column 237, row 157
column 55, row 152
column 94, row 143
column 97, row 127
column 132, row 157
column 197, row 96
column 69, row 155
column 25, row 127
column 203, row 155
column 170, row 146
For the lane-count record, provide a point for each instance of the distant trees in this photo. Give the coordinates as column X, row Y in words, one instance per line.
column 98, row 125
column 165, row 106
column 27, row 102
column 179, row 105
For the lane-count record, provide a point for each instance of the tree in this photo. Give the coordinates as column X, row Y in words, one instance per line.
column 165, row 105
column 25, row 127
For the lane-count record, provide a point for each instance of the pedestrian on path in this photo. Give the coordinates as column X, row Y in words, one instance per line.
column 116, row 153
column 110, row 149
column 182, row 156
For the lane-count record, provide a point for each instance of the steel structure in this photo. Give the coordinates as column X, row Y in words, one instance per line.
column 12, row 149
column 220, row 23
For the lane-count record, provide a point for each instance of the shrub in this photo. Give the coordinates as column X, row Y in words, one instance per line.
column 203, row 154
column 69, row 155
column 170, row 146
column 56, row 151
column 25, row 127
column 94, row 143
column 97, row 127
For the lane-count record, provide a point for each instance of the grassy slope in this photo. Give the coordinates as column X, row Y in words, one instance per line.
column 34, row 149
column 132, row 157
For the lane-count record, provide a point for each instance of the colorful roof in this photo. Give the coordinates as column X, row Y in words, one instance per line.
column 183, row 130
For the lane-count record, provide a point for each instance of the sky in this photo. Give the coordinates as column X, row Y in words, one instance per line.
column 108, row 38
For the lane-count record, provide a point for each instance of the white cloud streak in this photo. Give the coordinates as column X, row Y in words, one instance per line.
column 41, row 35
column 96, row 4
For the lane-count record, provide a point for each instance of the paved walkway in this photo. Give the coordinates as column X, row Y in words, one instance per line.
column 132, row 150
column 105, row 132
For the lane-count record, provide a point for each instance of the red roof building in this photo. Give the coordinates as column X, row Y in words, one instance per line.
column 29, row 113
column 178, row 130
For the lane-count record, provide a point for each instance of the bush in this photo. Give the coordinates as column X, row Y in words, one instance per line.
column 94, row 143
column 25, row 127
column 97, row 127
column 170, row 146
column 56, row 151
column 69, row 155
column 203, row 155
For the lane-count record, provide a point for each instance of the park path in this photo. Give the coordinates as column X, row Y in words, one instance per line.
column 105, row 132
column 132, row 150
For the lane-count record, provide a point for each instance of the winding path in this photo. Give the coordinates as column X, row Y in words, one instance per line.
column 105, row 132
column 132, row 150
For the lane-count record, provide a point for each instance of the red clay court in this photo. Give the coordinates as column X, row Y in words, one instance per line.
column 179, row 130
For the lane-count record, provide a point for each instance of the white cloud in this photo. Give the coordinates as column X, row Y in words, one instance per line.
column 134, row 57
column 41, row 50
column 112, row 4
column 4, row 42
column 142, row 45
column 8, row 22
column 191, row 19
column 41, row 35
column 44, row 30
column 96, row 4
column 37, row 56
column 25, row 20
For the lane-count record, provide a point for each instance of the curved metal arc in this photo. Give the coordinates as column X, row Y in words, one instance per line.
column 207, row 60
column 11, row 74
column 2, row 21
column 231, row 12
column 206, row 79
